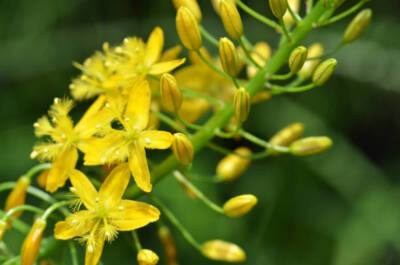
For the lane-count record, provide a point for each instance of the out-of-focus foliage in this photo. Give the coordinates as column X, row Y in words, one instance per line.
column 341, row 207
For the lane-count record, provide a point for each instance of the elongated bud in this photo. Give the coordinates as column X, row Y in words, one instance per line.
column 278, row 7
column 229, row 57
column 17, row 195
column 295, row 6
column 182, row 148
column 171, row 95
column 240, row 205
column 42, row 178
column 3, row 228
column 357, row 26
column 231, row 19
column 147, row 257
column 309, row 66
column 288, row 135
column 297, row 59
column 223, row 251
column 169, row 245
column 241, row 103
column 324, row 71
column 216, row 3
column 310, row 146
column 31, row 245
column 192, row 5
column 232, row 166
column 188, row 29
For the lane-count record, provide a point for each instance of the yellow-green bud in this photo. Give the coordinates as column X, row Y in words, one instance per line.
column 147, row 257
column 31, row 245
column 182, row 148
column 192, row 5
column 223, row 251
column 231, row 19
column 324, row 71
column 171, row 95
column 309, row 66
column 232, row 166
column 188, row 29
column 239, row 205
column 297, row 59
column 357, row 26
column 241, row 104
column 229, row 57
column 288, row 135
column 278, row 7
column 295, row 6
column 310, row 146
column 215, row 4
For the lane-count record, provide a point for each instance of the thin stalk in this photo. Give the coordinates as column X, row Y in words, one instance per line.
column 246, row 52
column 207, row 35
column 276, row 90
column 294, row 15
column 52, row 208
column 74, row 255
column 281, row 77
column 18, row 224
column 136, row 241
column 170, row 122
column 226, row 151
column 258, row 16
column 36, row 169
column 327, row 54
column 19, row 208
column 212, row 66
column 256, row 140
column 285, row 30
column 342, row 15
column 188, row 124
column 309, row 6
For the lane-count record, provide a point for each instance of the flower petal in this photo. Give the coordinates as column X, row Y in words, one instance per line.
column 83, row 188
column 114, row 186
column 156, row 139
column 76, row 224
column 60, row 169
column 138, row 166
column 93, row 253
column 165, row 67
column 138, row 107
column 131, row 215
column 154, row 46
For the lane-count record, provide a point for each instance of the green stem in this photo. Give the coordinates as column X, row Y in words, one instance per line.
column 18, row 224
column 188, row 124
column 246, row 52
column 207, row 35
column 170, row 122
column 181, row 178
column 281, row 77
column 72, row 250
column 258, row 16
column 309, row 6
column 276, row 90
column 136, row 241
column 36, row 169
column 24, row 207
column 296, row 82
column 343, row 14
column 212, row 66
column 254, row 139
column 226, row 151
column 294, row 15
column 285, row 30
column 52, row 208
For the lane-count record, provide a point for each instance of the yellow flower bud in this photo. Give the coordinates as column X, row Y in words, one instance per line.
column 297, row 59
column 3, row 228
column 223, row 251
column 42, row 178
column 30, row 247
column 263, row 53
column 324, row 71
column 231, row 19
column 288, row 135
column 309, row 66
column 216, row 3
column 229, row 57
column 17, row 195
column 192, row 5
column 182, row 148
column 295, row 6
column 357, row 26
column 310, row 146
column 260, row 97
column 239, row 205
column 278, row 7
column 168, row 244
column 147, row 257
column 241, row 104
column 171, row 95
column 188, row 29
column 232, row 166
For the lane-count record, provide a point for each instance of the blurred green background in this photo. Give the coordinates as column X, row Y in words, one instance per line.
column 341, row 207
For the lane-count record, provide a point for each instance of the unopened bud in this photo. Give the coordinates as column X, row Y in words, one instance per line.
column 31, row 245
column 168, row 244
column 260, row 97
column 3, row 228
column 278, row 7
column 324, row 71
column 295, row 6
column 357, row 26
column 216, row 3
column 241, row 104
column 232, row 166
column 192, row 5
column 171, row 95
column 188, row 29
column 310, row 146
column 182, row 148
column 297, row 59
column 262, row 53
column 287, row 135
column 147, row 257
column 17, row 196
column 223, row 251
column 309, row 66
column 42, row 178
column 231, row 19
column 229, row 57
column 239, row 205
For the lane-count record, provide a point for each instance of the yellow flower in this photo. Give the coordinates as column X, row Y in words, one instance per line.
column 111, row 70
column 130, row 142
column 106, row 213
column 65, row 138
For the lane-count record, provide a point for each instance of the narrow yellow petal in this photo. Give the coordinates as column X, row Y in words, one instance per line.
column 93, row 253
column 131, row 215
column 154, row 46
column 83, row 188
column 166, row 67
column 60, row 169
column 138, row 107
column 138, row 166
column 171, row 53
column 77, row 224
column 153, row 139
column 114, row 186
column 91, row 111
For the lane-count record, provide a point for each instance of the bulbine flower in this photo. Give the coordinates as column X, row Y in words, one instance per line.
column 106, row 213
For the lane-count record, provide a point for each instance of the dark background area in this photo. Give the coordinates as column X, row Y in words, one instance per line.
column 341, row 207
